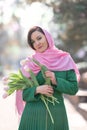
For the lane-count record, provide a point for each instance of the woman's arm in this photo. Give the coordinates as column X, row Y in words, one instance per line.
column 33, row 93
column 68, row 85
column 29, row 94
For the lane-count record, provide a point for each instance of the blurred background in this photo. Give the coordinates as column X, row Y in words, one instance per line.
column 66, row 20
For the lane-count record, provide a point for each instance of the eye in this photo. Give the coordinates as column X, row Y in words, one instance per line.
column 39, row 38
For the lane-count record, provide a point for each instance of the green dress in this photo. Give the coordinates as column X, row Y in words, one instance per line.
column 35, row 115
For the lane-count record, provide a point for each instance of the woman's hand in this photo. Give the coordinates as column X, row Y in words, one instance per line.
column 51, row 75
column 45, row 89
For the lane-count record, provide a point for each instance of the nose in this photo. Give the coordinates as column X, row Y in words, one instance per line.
column 37, row 42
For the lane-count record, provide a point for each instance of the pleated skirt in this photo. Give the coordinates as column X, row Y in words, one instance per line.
column 36, row 117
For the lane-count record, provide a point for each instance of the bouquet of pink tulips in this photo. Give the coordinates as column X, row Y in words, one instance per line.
column 17, row 81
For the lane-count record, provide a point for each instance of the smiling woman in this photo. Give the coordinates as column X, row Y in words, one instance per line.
column 39, row 41
column 63, row 75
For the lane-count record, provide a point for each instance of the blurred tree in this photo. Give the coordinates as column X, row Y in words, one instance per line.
column 72, row 13
column 31, row 1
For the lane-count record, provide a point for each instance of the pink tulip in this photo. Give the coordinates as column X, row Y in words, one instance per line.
column 5, row 95
column 6, row 88
column 26, row 68
column 5, row 78
column 24, row 62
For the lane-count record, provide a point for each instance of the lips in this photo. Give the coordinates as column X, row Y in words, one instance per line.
column 40, row 47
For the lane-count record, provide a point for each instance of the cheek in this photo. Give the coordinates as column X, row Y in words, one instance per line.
column 47, row 45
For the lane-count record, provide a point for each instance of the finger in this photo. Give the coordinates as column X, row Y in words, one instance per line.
column 50, row 91
column 50, row 88
column 48, row 94
column 48, row 73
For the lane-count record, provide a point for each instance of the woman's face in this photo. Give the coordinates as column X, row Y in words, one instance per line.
column 39, row 41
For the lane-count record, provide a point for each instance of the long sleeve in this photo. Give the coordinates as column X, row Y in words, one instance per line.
column 68, row 85
column 29, row 94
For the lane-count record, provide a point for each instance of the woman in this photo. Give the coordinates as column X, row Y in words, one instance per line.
column 63, row 74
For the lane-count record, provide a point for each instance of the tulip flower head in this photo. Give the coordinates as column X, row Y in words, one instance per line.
column 5, row 80
column 26, row 68
column 5, row 95
column 24, row 62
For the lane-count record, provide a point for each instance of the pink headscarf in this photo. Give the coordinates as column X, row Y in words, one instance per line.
column 53, row 58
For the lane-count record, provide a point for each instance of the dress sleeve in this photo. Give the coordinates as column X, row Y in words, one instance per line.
column 29, row 94
column 68, row 85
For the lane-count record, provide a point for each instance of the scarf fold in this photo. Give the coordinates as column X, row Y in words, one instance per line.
column 53, row 58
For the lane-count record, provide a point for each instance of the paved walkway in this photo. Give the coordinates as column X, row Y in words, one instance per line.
column 9, row 121
column 76, row 121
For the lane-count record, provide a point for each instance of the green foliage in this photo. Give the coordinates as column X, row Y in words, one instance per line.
column 74, row 15
column 73, row 11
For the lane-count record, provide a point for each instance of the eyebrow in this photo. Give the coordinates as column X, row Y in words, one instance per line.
column 36, row 37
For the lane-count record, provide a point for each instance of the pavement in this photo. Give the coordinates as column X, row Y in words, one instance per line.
column 76, row 120
column 9, row 118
